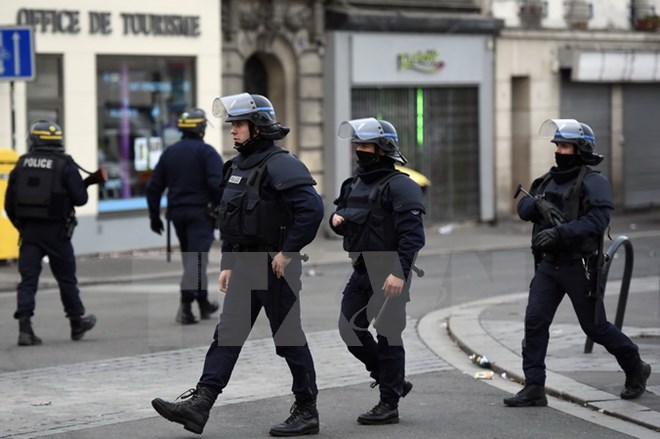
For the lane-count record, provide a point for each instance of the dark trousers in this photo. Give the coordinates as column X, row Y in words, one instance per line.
column 253, row 286
column 383, row 356
column 39, row 239
column 551, row 281
column 194, row 230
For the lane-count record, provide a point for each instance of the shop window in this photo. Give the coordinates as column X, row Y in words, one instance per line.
column 438, row 131
column 139, row 102
column 45, row 92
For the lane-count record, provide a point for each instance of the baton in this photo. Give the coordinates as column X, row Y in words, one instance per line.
column 419, row 272
column 168, row 256
column 380, row 313
column 277, row 292
column 520, row 189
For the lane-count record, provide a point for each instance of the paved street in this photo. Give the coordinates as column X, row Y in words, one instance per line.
column 71, row 403
column 471, row 300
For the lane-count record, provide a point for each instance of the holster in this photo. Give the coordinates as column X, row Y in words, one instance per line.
column 70, row 224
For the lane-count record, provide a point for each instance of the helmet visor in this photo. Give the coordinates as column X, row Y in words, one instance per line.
column 368, row 129
column 234, row 105
column 568, row 129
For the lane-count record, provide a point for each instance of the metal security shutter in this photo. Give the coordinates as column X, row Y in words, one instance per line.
column 438, row 132
column 641, row 149
column 590, row 104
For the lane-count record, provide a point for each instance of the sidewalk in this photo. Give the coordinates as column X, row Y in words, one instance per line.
column 151, row 264
column 591, row 380
column 491, row 327
column 494, row 328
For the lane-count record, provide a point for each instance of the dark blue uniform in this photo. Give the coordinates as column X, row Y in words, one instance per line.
column 42, row 228
column 191, row 171
column 286, row 183
column 563, row 269
column 383, row 231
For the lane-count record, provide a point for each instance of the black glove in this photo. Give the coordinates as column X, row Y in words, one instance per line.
column 157, row 226
column 213, row 210
column 546, row 239
column 551, row 215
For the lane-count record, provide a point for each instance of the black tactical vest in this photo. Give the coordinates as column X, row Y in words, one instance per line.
column 251, row 215
column 369, row 226
column 40, row 191
column 570, row 198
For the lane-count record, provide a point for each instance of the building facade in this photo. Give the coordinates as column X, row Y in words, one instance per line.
column 116, row 76
column 467, row 83
column 427, row 67
column 598, row 62
column 275, row 48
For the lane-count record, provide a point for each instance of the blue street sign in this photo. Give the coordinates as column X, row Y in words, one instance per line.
column 16, row 53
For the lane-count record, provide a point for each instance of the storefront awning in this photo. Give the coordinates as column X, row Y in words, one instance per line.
column 615, row 65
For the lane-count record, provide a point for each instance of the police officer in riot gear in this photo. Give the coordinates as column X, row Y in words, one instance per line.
column 379, row 214
column 43, row 189
column 191, row 171
column 268, row 213
column 566, row 245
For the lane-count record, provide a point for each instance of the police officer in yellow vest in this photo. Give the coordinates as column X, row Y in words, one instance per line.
column 43, row 189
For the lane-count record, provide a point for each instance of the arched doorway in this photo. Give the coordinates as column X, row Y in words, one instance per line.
column 255, row 76
column 263, row 74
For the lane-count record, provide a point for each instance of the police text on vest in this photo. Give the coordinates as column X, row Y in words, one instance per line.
column 33, row 162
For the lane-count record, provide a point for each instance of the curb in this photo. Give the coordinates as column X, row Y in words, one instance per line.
column 464, row 328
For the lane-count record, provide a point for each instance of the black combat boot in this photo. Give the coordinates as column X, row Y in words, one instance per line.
column 185, row 315
column 191, row 413
column 530, row 395
column 636, row 382
column 206, row 308
column 304, row 420
column 382, row 413
column 80, row 325
column 26, row 336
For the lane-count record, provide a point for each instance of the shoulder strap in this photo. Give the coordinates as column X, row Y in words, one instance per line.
column 355, row 182
column 375, row 193
column 543, row 184
column 255, row 177
column 574, row 198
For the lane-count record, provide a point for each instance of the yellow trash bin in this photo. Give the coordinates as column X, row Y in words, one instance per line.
column 8, row 234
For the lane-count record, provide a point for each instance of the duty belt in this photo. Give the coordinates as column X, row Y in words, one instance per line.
column 559, row 257
column 237, row 248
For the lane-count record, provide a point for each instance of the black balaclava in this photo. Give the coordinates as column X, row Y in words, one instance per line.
column 373, row 166
column 566, row 161
column 367, row 159
column 568, row 166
